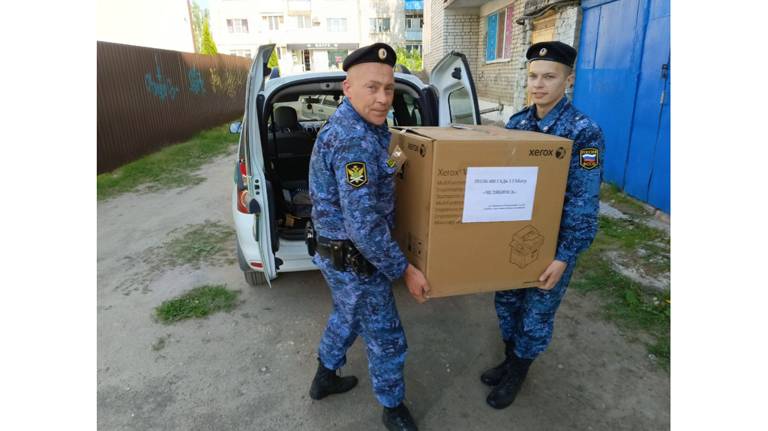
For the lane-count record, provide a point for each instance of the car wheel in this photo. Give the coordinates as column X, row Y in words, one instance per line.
column 255, row 278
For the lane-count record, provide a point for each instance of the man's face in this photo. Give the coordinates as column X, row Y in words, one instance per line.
column 370, row 88
column 547, row 81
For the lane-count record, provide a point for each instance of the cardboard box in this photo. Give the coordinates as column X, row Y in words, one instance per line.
column 479, row 207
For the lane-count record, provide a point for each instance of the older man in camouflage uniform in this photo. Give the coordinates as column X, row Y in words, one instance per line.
column 352, row 188
column 527, row 316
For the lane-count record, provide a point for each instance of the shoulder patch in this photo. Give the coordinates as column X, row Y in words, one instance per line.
column 589, row 158
column 357, row 176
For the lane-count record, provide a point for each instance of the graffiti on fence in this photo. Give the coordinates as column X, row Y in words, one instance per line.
column 229, row 84
column 160, row 86
column 196, row 82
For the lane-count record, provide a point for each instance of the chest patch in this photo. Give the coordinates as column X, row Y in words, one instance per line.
column 357, row 176
column 589, row 158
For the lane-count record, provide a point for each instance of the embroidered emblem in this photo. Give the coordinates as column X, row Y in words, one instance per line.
column 589, row 158
column 356, row 174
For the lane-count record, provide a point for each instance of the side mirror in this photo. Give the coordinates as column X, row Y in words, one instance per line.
column 309, row 106
column 235, row 127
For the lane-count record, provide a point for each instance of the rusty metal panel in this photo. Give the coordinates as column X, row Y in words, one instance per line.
column 148, row 98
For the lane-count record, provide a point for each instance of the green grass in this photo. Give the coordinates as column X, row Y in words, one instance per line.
column 198, row 302
column 170, row 167
column 200, row 243
column 611, row 194
column 626, row 302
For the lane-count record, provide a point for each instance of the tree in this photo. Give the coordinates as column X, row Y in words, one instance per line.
column 410, row 59
column 273, row 60
column 208, row 45
column 197, row 26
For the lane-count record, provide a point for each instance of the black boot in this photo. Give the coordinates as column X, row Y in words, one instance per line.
column 398, row 419
column 326, row 382
column 493, row 376
column 505, row 392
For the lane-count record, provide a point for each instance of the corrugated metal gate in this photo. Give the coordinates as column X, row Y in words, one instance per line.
column 148, row 98
column 623, row 83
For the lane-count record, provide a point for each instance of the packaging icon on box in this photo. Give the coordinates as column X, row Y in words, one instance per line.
column 524, row 247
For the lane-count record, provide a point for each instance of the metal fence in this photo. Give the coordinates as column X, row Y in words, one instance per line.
column 148, row 98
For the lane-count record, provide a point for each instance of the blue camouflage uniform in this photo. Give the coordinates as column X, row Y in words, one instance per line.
column 353, row 196
column 527, row 316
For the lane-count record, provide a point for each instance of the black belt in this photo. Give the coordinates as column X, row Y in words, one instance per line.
column 343, row 255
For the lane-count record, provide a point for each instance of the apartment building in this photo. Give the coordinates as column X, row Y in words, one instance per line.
column 314, row 35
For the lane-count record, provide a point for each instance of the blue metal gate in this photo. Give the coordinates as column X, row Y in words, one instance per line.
column 623, row 83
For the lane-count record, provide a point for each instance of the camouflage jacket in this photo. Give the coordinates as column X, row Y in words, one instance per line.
column 578, row 225
column 353, row 190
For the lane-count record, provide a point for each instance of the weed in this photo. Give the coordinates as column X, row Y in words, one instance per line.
column 172, row 166
column 200, row 243
column 198, row 302
column 625, row 301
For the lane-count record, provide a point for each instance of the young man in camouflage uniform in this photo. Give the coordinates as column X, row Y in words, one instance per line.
column 527, row 316
column 351, row 182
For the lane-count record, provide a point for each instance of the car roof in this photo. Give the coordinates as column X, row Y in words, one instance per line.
column 300, row 78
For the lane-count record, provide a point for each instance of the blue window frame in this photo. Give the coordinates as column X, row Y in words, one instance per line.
column 497, row 39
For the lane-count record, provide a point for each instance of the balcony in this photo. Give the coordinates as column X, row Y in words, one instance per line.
column 412, row 35
column 414, row 5
column 299, row 7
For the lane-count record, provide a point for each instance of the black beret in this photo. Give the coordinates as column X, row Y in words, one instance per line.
column 552, row 51
column 376, row 53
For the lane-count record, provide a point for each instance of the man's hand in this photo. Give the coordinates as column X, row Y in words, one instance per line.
column 552, row 274
column 417, row 283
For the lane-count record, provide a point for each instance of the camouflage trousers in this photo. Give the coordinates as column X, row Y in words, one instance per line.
column 365, row 306
column 527, row 316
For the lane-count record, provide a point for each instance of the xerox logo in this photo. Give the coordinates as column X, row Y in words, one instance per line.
column 560, row 153
column 540, row 152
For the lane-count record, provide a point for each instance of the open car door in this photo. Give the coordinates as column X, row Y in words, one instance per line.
column 457, row 102
column 257, row 187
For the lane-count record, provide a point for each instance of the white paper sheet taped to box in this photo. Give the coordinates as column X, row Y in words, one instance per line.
column 497, row 194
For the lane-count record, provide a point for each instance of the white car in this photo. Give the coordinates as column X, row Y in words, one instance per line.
column 270, row 194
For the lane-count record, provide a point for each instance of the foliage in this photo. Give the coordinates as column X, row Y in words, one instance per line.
column 198, row 18
column 273, row 60
column 198, row 302
column 209, row 46
column 173, row 166
column 410, row 59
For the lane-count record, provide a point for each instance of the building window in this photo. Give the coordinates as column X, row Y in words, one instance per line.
column 337, row 24
column 460, row 106
column 498, row 43
column 303, row 21
column 273, row 21
column 379, row 25
column 307, row 56
column 302, row 58
column 336, row 58
column 241, row 52
column 237, row 25
column 413, row 22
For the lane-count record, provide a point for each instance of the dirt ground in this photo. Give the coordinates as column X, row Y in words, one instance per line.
column 251, row 368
